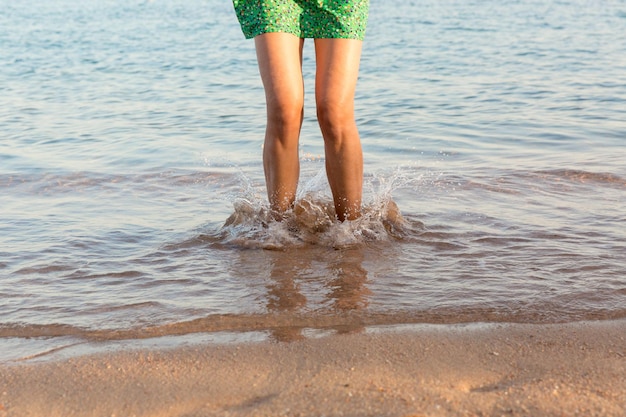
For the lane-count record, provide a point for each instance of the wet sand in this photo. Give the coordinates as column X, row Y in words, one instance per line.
column 576, row 369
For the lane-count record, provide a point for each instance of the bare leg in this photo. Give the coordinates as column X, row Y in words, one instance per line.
column 337, row 63
column 280, row 63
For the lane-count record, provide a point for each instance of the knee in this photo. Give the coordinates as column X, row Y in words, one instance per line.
column 334, row 117
column 285, row 114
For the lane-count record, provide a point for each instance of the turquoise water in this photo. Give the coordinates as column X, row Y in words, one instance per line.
column 131, row 131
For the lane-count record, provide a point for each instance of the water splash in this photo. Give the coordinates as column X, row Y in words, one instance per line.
column 312, row 220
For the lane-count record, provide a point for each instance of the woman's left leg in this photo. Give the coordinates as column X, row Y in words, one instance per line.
column 337, row 62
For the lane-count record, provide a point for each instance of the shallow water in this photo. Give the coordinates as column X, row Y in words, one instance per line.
column 132, row 131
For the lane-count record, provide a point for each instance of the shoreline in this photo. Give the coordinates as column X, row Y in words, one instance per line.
column 432, row 370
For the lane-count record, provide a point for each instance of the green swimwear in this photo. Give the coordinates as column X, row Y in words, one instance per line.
column 304, row 18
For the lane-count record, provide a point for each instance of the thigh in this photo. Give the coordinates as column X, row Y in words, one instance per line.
column 280, row 63
column 337, row 62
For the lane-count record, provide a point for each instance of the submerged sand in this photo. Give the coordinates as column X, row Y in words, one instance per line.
column 574, row 369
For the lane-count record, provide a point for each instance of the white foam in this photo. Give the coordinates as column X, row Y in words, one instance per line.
column 312, row 221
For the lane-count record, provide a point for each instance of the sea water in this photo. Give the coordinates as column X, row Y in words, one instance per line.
column 132, row 197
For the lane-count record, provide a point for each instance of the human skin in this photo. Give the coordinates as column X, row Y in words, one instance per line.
column 279, row 57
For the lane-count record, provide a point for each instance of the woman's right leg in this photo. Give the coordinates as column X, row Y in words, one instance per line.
column 280, row 63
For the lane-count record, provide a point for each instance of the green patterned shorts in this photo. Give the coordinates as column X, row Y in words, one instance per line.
column 304, row 18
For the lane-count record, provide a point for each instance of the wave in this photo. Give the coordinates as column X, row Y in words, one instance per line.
column 278, row 321
column 68, row 182
column 581, row 176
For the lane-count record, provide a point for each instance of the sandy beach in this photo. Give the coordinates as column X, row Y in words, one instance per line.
column 576, row 369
